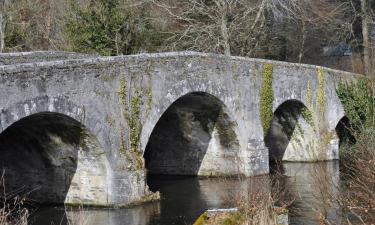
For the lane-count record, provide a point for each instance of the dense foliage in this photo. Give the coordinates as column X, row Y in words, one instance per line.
column 108, row 28
column 358, row 103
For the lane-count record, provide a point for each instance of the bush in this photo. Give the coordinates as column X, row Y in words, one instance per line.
column 358, row 103
column 358, row 160
column 109, row 27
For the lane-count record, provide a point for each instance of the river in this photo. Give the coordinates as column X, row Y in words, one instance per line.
column 183, row 199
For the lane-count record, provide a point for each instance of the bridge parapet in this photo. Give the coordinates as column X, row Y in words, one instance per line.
column 40, row 56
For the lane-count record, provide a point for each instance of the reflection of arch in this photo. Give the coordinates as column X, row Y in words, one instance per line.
column 284, row 126
column 344, row 131
column 50, row 154
column 194, row 136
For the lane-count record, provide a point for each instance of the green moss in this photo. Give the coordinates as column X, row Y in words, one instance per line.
column 308, row 94
column 321, row 97
column 123, row 96
column 134, row 122
column 266, row 98
column 236, row 218
column 233, row 219
column 132, row 117
column 201, row 219
column 122, row 92
column 308, row 117
column 324, row 133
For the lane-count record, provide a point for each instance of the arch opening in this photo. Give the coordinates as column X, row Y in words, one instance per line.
column 48, row 154
column 344, row 131
column 290, row 133
column 194, row 136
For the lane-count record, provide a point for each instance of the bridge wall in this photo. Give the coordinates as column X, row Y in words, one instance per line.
column 120, row 100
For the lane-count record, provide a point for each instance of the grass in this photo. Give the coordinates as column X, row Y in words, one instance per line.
column 255, row 204
column 13, row 210
column 358, row 169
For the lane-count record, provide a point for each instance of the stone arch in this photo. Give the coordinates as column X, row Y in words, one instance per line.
column 291, row 134
column 344, row 132
column 181, row 88
column 58, row 104
column 45, row 148
column 194, row 136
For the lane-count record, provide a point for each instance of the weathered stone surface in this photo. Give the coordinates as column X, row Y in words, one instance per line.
column 119, row 100
column 39, row 56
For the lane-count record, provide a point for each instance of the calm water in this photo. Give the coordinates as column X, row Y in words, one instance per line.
column 185, row 198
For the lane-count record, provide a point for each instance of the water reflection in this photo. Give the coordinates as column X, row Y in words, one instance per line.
column 185, row 198
column 314, row 186
column 138, row 215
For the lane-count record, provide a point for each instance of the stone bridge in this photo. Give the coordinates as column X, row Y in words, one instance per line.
column 83, row 129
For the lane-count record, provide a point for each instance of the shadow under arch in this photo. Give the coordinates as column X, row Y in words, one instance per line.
column 40, row 154
column 284, row 123
column 194, row 136
column 344, row 131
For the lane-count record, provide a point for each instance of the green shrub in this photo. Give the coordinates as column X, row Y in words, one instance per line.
column 14, row 37
column 108, row 27
column 358, row 103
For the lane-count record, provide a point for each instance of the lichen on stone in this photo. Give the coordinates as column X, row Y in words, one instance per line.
column 266, row 98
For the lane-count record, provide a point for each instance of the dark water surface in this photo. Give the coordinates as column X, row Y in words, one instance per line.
column 185, row 198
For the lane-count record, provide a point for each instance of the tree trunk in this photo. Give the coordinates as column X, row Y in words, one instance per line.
column 224, row 29
column 225, row 33
column 3, row 21
column 366, row 38
column 2, row 31
column 303, row 39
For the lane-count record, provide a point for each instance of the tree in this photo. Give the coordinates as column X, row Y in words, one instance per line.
column 309, row 25
column 221, row 26
column 33, row 25
column 245, row 27
column 367, row 16
column 109, row 27
column 3, row 22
